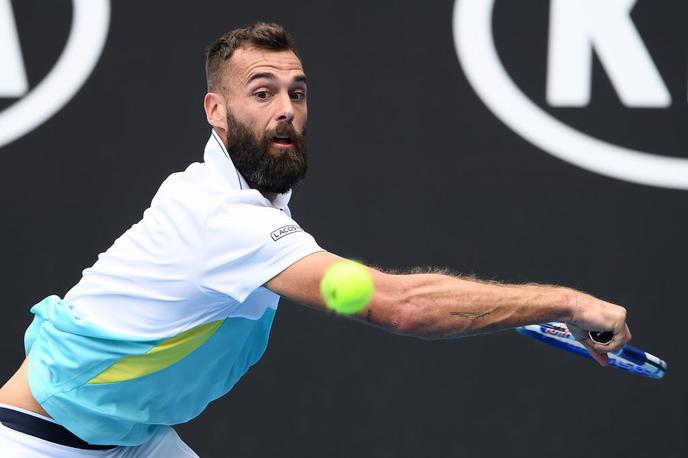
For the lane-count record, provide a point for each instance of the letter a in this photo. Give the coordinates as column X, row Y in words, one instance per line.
column 13, row 81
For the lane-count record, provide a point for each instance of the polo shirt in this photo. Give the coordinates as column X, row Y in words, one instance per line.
column 172, row 314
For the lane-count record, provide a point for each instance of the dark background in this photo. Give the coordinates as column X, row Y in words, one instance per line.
column 408, row 168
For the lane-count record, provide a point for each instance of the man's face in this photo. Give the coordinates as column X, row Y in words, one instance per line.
column 266, row 118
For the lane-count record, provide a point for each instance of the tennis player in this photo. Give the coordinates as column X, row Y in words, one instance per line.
column 180, row 306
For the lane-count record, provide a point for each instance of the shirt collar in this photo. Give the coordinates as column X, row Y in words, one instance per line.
column 217, row 157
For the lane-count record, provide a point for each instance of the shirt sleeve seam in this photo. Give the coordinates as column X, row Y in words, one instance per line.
column 297, row 253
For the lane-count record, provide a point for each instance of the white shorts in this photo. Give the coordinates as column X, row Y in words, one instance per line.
column 164, row 444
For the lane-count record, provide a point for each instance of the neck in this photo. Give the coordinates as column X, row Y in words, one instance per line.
column 222, row 134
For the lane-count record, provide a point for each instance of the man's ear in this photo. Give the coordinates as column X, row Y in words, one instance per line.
column 216, row 111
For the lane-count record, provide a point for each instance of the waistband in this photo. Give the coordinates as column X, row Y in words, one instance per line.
column 44, row 429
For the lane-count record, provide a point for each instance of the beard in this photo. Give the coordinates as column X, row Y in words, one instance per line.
column 266, row 167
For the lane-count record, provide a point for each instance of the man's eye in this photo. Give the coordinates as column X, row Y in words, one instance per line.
column 298, row 95
column 262, row 94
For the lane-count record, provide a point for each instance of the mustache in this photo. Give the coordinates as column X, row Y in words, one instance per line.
column 286, row 129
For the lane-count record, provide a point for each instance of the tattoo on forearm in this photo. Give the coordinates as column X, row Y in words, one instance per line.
column 470, row 315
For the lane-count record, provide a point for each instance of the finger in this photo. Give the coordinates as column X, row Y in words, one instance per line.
column 612, row 346
column 620, row 339
column 601, row 358
column 628, row 335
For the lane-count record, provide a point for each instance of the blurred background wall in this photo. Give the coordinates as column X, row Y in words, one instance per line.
column 536, row 140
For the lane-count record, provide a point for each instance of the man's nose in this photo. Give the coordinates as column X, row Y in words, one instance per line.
column 285, row 109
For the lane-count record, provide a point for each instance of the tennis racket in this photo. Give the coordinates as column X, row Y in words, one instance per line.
column 628, row 358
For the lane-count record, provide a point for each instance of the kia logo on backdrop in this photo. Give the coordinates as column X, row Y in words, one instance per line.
column 577, row 29
column 89, row 28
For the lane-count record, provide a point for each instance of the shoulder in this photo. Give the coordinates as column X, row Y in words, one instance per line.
column 197, row 176
column 193, row 192
column 246, row 212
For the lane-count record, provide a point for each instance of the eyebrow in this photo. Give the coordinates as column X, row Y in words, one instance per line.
column 300, row 79
column 271, row 76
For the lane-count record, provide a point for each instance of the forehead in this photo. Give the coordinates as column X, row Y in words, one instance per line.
column 246, row 62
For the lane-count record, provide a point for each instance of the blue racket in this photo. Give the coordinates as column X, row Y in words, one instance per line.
column 628, row 358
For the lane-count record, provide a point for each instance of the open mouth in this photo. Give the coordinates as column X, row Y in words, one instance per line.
column 283, row 140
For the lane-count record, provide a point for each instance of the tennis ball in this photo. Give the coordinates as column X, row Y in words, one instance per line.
column 346, row 287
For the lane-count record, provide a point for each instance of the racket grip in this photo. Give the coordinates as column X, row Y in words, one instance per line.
column 601, row 337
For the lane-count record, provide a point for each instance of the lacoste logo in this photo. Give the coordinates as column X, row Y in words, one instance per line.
column 285, row 230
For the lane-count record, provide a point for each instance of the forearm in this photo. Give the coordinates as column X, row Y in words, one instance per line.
column 435, row 306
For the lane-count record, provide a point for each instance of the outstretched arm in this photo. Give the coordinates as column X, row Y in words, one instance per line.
column 438, row 306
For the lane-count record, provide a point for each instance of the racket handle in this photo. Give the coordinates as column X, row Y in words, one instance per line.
column 601, row 337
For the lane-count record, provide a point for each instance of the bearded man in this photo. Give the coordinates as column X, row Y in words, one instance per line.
column 180, row 306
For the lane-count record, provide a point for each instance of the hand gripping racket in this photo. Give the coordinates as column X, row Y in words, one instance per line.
column 628, row 358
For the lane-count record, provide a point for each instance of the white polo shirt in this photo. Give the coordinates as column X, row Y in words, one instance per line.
column 172, row 314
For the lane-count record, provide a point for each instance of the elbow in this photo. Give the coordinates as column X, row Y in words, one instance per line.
column 396, row 308
column 404, row 322
column 412, row 320
column 392, row 310
column 396, row 315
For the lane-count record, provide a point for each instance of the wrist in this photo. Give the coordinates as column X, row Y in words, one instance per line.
column 568, row 303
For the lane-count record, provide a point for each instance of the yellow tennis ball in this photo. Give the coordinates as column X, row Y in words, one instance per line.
column 346, row 287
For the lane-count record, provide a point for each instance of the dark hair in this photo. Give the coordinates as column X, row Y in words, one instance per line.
column 260, row 35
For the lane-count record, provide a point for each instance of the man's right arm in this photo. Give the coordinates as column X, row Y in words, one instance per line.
column 439, row 306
